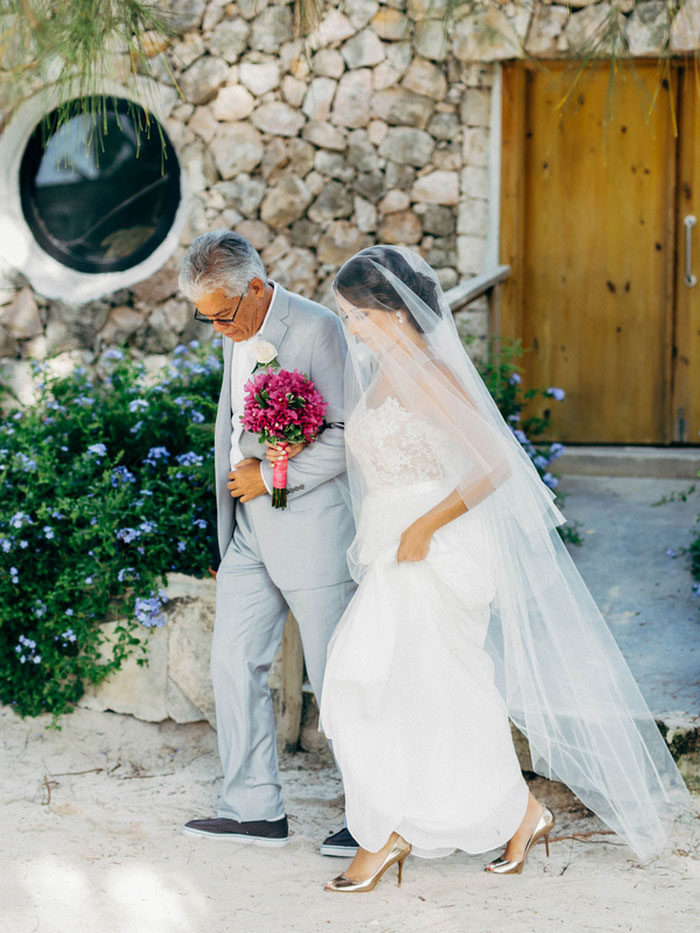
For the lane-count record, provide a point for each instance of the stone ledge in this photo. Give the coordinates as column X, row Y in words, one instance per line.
column 662, row 462
column 176, row 682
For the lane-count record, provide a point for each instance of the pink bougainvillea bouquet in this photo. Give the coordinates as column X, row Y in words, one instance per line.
column 283, row 408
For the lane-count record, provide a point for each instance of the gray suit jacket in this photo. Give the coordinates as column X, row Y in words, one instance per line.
column 304, row 545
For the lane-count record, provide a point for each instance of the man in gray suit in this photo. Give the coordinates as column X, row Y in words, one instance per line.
column 271, row 559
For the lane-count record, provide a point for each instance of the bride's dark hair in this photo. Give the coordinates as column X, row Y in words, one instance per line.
column 365, row 286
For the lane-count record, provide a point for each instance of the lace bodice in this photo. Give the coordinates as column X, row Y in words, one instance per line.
column 394, row 447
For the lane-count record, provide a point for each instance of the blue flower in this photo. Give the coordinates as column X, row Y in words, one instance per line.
column 149, row 612
column 550, row 480
column 147, row 527
column 696, row 589
column 180, row 349
column 48, row 532
column 671, row 553
column 556, row 393
column 556, row 450
column 127, row 535
column 515, row 379
column 199, row 523
column 99, row 450
column 137, row 403
column 121, row 475
column 181, row 546
column 26, row 462
column 194, row 344
column 155, row 454
column 88, row 580
column 197, row 417
column 540, row 461
column 69, row 612
column 6, row 545
column 136, row 428
column 190, row 459
column 113, row 354
column 14, row 574
column 126, row 572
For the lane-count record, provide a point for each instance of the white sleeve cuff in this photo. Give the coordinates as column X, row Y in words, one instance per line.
column 264, row 478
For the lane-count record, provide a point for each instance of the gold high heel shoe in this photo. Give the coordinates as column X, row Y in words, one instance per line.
column 399, row 853
column 545, row 825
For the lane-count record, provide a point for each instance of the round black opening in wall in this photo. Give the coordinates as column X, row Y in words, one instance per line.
column 100, row 189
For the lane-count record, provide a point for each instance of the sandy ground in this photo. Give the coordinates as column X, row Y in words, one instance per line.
column 91, row 842
column 91, row 839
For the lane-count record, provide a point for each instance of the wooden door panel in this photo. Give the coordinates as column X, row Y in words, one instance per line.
column 597, row 276
column 686, row 394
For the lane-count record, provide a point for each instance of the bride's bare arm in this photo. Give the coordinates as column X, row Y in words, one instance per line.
column 415, row 541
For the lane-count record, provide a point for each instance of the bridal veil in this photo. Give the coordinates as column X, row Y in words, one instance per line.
column 563, row 679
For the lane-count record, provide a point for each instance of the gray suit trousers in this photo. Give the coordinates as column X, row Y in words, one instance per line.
column 250, row 615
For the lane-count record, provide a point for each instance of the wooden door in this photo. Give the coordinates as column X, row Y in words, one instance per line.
column 588, row 228
column 686, row 370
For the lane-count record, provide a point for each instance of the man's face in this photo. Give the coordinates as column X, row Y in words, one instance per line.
column 220, row 308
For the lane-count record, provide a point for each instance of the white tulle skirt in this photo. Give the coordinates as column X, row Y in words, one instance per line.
column 419, row 730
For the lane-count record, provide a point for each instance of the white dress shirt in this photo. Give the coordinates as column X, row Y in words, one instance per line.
column 242, row 364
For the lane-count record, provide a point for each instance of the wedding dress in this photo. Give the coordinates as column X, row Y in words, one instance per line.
column 419, row 729
column 433, row 657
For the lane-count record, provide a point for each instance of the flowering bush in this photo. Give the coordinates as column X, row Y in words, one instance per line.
column 106, row 484
column 501, row 374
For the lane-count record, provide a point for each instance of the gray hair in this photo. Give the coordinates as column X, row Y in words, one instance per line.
column 220, row 259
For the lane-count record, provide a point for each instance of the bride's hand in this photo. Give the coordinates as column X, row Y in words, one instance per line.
column 275, row 452
column 415, row 542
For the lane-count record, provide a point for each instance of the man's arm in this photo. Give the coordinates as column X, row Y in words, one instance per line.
column 325, row 458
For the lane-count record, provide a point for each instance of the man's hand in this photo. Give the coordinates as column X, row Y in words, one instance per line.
column 245, row 482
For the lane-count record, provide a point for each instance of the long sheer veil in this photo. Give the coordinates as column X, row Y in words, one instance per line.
column 564, row 681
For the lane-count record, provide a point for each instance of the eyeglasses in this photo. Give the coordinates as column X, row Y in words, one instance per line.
column 204, row 319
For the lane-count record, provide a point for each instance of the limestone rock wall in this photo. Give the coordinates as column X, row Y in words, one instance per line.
column 374, row 129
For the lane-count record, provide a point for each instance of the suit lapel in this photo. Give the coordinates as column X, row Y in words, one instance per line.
column 276, row 325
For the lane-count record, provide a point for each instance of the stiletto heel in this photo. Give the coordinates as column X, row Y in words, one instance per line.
column 502, row 866
column 401, row 861
column 398, row 854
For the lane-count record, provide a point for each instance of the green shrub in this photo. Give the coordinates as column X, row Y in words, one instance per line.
column 106, row 485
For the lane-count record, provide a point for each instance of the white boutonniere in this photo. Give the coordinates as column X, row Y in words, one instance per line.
column 265, row 354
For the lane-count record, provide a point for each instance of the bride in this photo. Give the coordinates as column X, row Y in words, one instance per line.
column 469, row 611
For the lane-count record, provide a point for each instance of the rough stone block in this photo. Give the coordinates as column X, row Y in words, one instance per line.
column 470, row 254
column 431, row 39
column 352, row 99
column 232, row 104
column 278, row 119
column 201, row 81
column 236, row 147
column 437, row 188
column 319, row 97
column 391, row 24
column 401, row 107
column 328, row 62
column 426, row 78
column 407, row 146
column 476, row 107
column 285, row 202
column 472, row 217
column 260, row 78
column 403, row 227
column 21, row 318
column 363, row 50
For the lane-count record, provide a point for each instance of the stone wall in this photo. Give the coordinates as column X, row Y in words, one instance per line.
column 375, row 129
